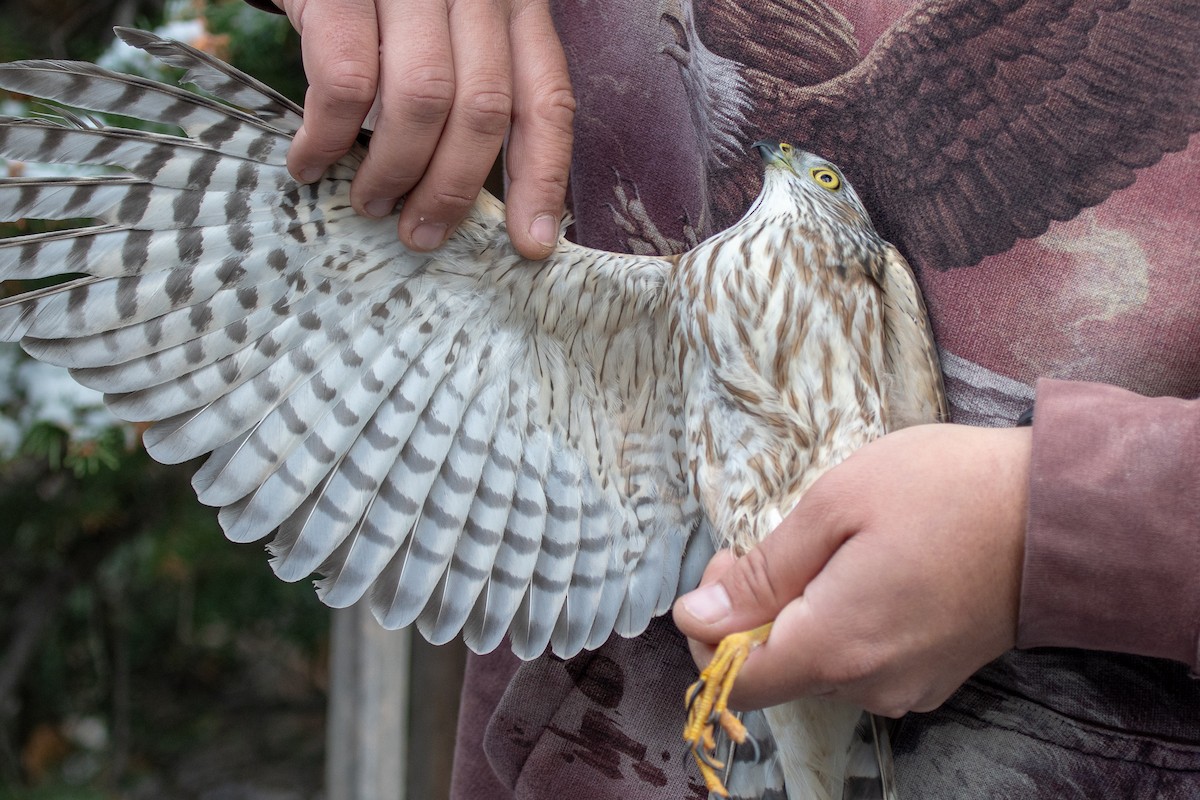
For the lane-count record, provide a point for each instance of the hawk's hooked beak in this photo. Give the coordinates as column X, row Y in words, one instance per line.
column 768, row 151
column 774, row 154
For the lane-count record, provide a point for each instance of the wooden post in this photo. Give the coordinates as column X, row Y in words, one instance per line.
column 367, row 729
column 437, row 676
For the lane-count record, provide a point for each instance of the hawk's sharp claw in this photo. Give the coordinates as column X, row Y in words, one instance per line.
column 753, row 742
column 708, row 758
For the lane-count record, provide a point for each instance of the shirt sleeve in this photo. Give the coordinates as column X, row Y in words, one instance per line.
column 1112, row 553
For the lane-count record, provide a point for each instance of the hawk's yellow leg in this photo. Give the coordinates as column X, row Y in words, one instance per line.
column 708, row 698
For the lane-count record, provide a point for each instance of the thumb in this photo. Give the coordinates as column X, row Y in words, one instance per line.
column 737, row 594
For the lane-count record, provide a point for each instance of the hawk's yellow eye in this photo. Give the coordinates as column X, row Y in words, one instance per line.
column 826, row 177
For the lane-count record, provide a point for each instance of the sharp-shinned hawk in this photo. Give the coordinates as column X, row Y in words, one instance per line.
column 475, row 442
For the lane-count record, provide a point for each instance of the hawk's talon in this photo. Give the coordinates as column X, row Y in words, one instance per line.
column 750, row 739
column 712, row 781
column 706, row 756
column 707, row 704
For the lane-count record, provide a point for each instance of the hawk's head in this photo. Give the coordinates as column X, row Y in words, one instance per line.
column 809, row 184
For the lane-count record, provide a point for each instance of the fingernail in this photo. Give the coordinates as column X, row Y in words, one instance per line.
column 380, row 207
column 428, row 235
column 311, row 174
column 544, row 230
column 708, row 604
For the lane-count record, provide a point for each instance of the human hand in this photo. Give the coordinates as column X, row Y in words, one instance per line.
column 894, row 579
column 450, row 76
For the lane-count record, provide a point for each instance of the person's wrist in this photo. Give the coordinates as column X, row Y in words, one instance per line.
column 1019, row 444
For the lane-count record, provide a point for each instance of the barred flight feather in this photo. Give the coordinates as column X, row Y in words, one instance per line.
column 93, row 88
column 222, row 81
column 186, row 340
column 170, row 161
column 323, row 522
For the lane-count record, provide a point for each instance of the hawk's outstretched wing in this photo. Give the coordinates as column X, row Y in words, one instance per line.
column 474, row 441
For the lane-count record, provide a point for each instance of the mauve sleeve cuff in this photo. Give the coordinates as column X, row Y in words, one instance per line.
column 1112, row 554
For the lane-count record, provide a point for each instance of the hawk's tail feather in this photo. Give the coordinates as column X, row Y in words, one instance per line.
column 870, row 768
column 752, row 771
column 755, row 772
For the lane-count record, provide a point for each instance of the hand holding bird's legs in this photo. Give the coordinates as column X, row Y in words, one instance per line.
column 896, row 577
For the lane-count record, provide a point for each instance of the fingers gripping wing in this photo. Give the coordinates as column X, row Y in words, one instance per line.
column 473, row 441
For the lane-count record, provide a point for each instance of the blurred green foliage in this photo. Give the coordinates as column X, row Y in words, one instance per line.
column 263, row 45
column 62, row 28
column 54, row 792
